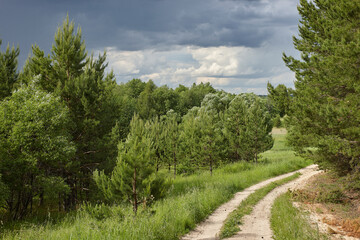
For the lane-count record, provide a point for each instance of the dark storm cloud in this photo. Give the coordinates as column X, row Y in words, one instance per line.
column 142, row 24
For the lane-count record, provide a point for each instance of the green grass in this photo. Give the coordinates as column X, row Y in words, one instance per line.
column 288, row 223
column 231, row 225
column 189, row 201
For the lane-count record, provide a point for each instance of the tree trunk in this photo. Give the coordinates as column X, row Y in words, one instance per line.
column 174, row 156
column 135, row 202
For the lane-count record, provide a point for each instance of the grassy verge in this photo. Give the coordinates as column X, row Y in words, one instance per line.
column 231, row 225
column 188, row 202
column 289, row 223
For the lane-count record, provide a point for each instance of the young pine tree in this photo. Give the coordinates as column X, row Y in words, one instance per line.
column 132, row 178
column 172, row 139
column 258, row 129
column 235, row 128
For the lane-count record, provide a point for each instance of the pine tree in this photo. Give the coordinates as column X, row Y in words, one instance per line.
column 258, row 129
column 88, row 92
column 210, row 134
column 235, row 128
column 156, row 132
column 172, row 139
column 8, row 70
column 132, row 179
column 325, row 115
column 189, row 134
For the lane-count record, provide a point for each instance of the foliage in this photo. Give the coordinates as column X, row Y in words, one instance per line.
column 280, row 98
column 325, row 110
column 192, row 97
column 35, row 146
column 8, row 70
column 247, row 126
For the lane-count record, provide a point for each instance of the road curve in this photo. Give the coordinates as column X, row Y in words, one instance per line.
column 210, row 228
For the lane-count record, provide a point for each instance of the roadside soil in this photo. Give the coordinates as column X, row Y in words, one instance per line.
column 257, row 225
column 338, row 220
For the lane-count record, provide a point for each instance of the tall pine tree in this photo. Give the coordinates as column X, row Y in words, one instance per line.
column 325, row 122
column 81, row 82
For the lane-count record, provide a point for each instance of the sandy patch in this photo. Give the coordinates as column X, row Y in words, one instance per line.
column 279, row 131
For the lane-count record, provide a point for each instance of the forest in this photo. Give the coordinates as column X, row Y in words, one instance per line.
column 73, row 141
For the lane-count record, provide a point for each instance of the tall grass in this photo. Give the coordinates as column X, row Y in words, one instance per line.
column 190, row 200
column 288, row 223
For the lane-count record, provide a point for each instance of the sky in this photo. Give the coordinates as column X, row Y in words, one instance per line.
column 236, row 45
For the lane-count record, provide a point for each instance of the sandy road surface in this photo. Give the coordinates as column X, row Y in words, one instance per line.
column 210, row 228
column 257, row 224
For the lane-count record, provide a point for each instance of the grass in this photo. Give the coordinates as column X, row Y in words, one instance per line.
column 288, row 223
column 189, row 201
column 231, row 225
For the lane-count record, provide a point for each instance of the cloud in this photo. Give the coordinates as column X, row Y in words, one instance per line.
column 228, row 68
column 235, row 45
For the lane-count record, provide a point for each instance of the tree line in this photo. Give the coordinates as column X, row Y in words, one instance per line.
column 67, row 129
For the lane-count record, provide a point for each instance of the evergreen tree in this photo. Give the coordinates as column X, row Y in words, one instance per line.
column 157, row 135
column 210, row 137
column 247, row 126
column 235, row 128
column 172, row 138
column 132, row 179
column 88, row 92
column 189, row 139
column 258, row 129
column 325, row 113
column 8, row 70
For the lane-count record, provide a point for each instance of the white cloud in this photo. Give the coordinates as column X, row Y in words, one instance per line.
column 234, row 69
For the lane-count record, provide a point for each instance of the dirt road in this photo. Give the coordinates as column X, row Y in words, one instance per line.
column 257, row 225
